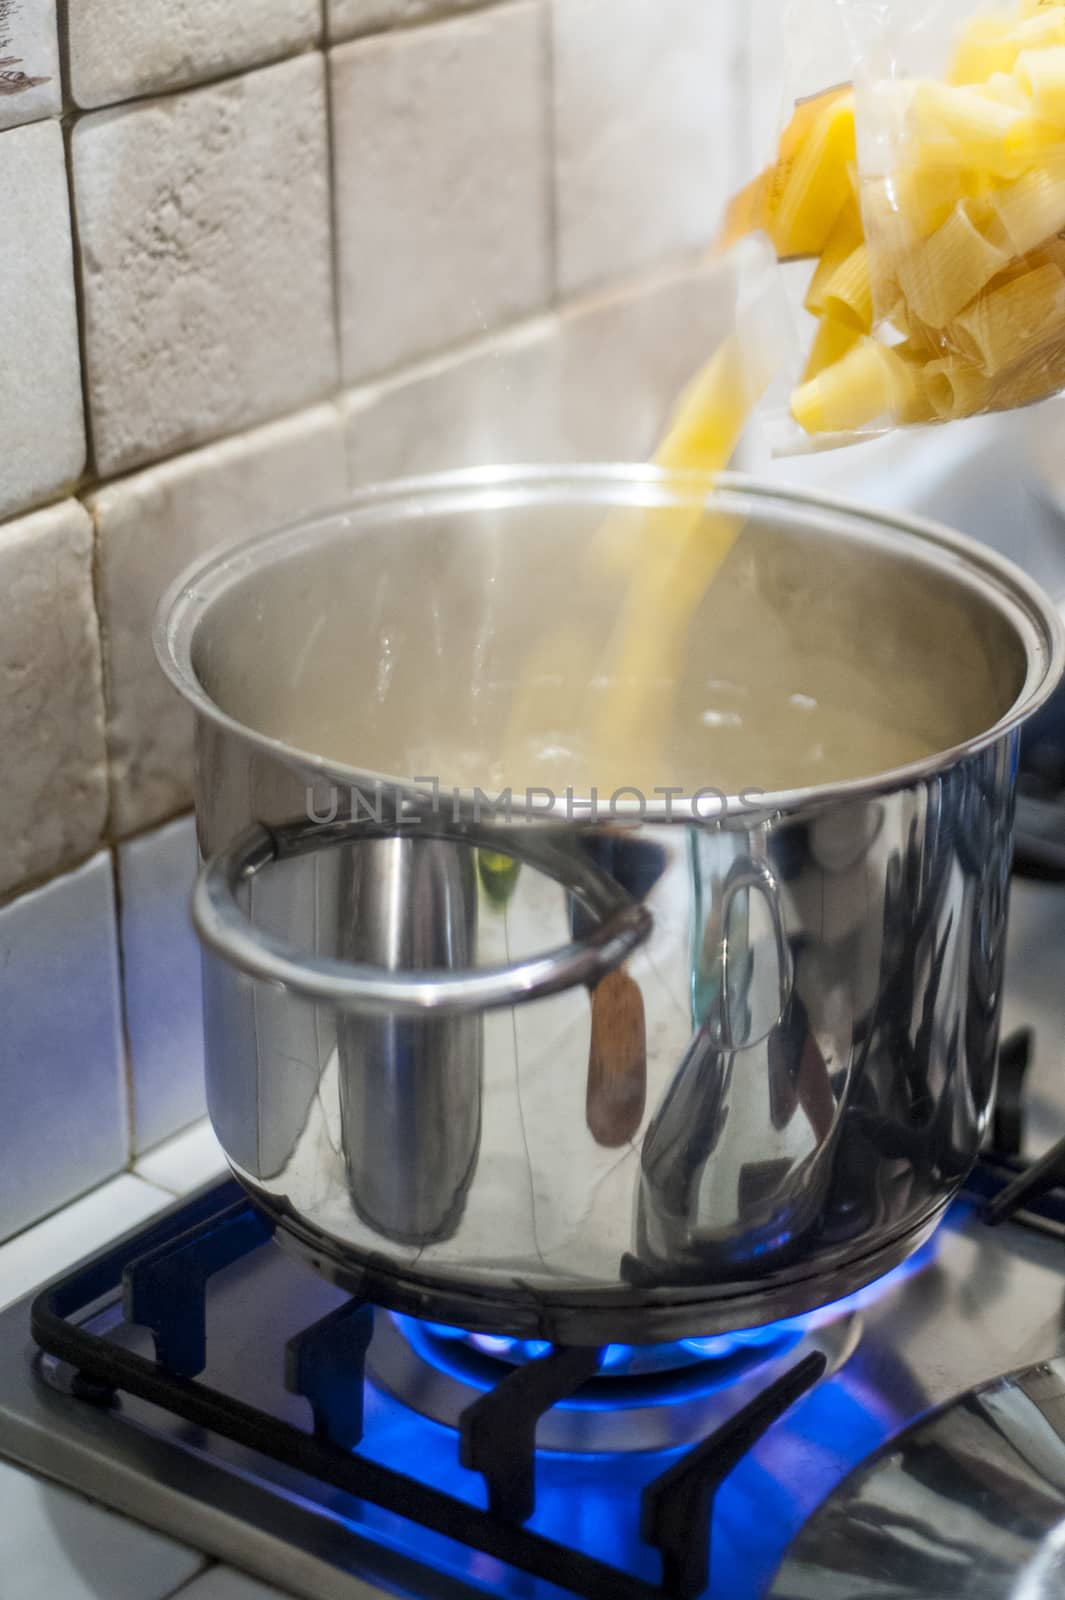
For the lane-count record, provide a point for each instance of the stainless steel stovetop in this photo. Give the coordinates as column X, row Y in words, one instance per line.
column 975, row 1303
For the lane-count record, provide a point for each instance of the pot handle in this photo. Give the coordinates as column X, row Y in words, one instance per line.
column 226, row 930
column 751, row 875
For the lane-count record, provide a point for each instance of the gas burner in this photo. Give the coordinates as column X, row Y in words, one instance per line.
column 643, row 1397
column 627, row 1360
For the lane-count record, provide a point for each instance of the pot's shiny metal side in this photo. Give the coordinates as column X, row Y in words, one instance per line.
column 821, row 994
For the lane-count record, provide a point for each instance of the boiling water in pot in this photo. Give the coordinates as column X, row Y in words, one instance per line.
column 817, row 655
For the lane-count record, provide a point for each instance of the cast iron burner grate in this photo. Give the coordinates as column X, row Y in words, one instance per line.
column 163, row 1276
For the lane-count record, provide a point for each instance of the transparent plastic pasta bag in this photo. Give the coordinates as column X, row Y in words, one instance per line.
column 924, row 197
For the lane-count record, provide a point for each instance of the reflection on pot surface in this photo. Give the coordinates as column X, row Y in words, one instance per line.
column 869, row 1089
column 966, row 1505
column 410, row 1090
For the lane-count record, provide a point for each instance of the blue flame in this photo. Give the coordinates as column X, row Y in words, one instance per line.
column 712, row 1360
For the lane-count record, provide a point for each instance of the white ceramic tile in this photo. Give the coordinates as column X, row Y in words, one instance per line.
column 56, row 1546
column 224, row 1583
column 161, row 982
column 51, row 704
column 440, row 143
column 203, row 222
column 62, row 1089
column 184, row 1162
column 347, row 18
column 76, row 1231
column 43, row 433
column 594, row 384
column 644, row 92
column 137, row 47
column 29, row 62
column 149, row 527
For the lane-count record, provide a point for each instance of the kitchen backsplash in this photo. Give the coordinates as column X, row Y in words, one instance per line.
column 252, row 256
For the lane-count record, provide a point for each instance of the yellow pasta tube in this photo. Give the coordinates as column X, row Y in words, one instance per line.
column 1032, row 209
column 984, row 47
column 1010, row 323
column 923, row 199
column 1043, row 28
column 845, row 238
column 869, row 384
column 1004, row 87
column 941, row 275
column 955, row 388
column 1041, row 73
column 951, row 126
column 831, row 341
column 911, row 404
column 1036, row 379
column 804, row 120
column 704, row 430
column 849, row 293
column 818, row 183
column 889, row 240
column 989, row 45
column 747, row 212
column 711, row 414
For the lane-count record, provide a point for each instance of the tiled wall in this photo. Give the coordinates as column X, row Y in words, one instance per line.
column 251, row 255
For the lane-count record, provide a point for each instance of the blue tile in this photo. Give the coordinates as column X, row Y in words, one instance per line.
column 161, row 966
column 62, row 1082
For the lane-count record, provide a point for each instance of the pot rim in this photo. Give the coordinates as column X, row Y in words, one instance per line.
column 1037, row 621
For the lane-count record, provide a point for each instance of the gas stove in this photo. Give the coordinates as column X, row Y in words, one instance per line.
column 198, row 1377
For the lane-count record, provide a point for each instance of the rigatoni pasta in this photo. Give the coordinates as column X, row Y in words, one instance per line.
column 936, row 229
column 848, row 294
column 941, row 275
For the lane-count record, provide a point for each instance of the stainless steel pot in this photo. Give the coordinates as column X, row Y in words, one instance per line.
column 398, row 1053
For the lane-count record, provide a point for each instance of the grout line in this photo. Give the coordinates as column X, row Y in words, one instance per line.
column 104, row 640
column 79, row 300
column 115, row 839
column 153, row 1183
column 129, row 1171
column 41, row 880
column 442, row 11
column 127, row 1051
column 74, row 1200
column 106, row 841
column 334, row 208
column 209, row 81
column 62, row 30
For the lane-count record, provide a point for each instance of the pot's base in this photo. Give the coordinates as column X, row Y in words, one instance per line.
column 579, row 1316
